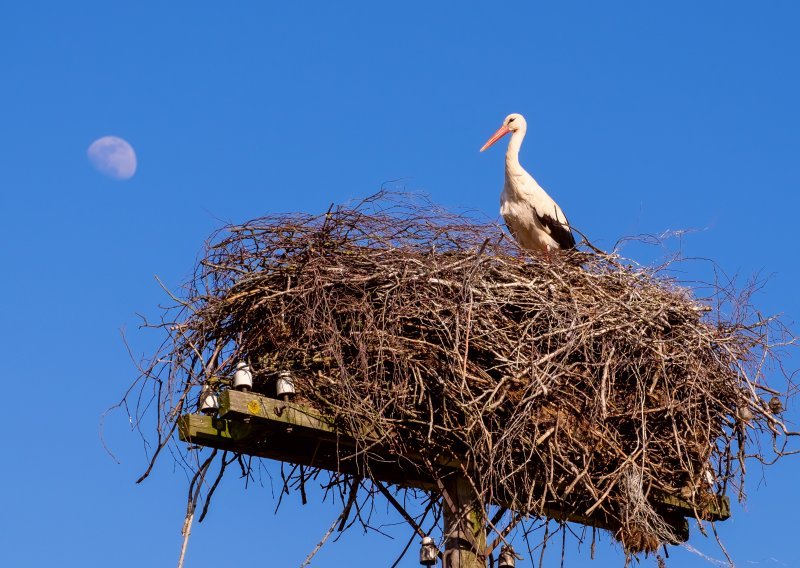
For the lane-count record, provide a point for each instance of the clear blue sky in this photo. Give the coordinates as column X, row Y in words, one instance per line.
column 643, row 117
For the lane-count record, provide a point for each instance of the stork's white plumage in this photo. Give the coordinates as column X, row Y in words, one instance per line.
column 532, row 217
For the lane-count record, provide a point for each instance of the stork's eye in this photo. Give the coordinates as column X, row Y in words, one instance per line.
column 511, row 119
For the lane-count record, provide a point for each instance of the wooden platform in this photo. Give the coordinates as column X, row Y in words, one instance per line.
column 255, row 425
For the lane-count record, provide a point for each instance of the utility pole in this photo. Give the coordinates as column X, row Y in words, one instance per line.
column 464, row 525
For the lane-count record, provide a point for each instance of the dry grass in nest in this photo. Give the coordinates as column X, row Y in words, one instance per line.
column 580, row 378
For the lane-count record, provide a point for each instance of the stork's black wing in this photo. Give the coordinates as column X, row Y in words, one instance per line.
column 560, row 231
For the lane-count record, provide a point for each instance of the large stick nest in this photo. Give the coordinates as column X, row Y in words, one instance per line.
column 574, row 378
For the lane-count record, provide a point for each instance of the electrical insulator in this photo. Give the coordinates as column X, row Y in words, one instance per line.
column 284, row 385
column 507, row 559
column 242, row 377
column 208, row 403
column 427, row 552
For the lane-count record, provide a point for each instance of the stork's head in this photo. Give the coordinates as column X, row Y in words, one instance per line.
column 513, row 123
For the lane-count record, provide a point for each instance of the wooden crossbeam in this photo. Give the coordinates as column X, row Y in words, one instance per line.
column 256, row 425
column 253, row 424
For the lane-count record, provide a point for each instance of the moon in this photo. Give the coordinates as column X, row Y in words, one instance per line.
column 113, row 157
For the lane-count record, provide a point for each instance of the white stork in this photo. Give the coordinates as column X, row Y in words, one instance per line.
column 532, row 217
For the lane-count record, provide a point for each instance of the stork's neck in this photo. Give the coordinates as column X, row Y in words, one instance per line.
column 512, row 154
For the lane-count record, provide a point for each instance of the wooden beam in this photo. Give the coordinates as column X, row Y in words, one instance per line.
column 255, row 408
column 717, row 510
column 236, row 404
column 304, row 447
column 253, row 424
column 198, row 428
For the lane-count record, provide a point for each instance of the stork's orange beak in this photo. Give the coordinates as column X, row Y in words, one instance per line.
column 503, row 130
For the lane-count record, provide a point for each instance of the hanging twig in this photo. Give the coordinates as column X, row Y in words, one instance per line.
column 194, row 494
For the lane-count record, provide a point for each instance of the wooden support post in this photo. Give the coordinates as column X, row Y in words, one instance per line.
column 464, row 525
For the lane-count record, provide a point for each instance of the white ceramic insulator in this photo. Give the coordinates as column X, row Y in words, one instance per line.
column 284, row 384
column 209, row 401
column 242, row 377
